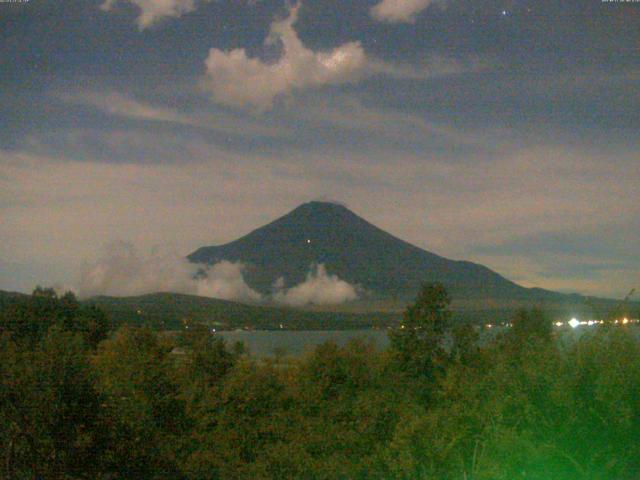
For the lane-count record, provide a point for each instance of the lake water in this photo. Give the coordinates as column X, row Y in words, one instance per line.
column 263, row 343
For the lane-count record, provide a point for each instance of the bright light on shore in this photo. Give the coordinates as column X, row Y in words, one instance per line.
column 574, row 322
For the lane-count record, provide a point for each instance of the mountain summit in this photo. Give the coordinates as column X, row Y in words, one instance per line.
column 357, row 252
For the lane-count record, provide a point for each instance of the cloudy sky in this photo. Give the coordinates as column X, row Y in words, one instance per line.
column 503, row 132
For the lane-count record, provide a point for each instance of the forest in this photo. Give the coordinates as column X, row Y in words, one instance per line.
column 80, row 399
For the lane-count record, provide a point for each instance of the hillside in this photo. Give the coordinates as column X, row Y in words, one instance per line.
column 170, row 311
column 10, row 298
column 173, row 311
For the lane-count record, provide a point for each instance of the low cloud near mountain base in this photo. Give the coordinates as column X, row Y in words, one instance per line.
column 319, row 288
column 122, row 271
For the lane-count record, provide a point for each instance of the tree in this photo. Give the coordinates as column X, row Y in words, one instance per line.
column 532, row 324
column 418, row 340
column 28, row 319
column 49, row 409
column 145, row 411
column 464, row 345
column 239, row 420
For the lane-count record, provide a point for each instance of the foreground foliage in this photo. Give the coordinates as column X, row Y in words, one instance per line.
column 79, row 402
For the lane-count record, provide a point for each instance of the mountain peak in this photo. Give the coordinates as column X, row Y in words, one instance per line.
column 327, row 199
column 321, row 207
column 328, row 233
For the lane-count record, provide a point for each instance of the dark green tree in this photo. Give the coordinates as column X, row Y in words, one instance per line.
column 464, row 346
column 27, row 320
column 50, row 422
column 418, row 341
column 145, row 411
column 531, row 324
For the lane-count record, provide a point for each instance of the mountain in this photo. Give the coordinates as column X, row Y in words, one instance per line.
column 359, row 253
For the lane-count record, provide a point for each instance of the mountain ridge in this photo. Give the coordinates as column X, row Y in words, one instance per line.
column 358, row 252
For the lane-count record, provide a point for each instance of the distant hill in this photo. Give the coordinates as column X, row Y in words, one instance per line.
column 362, row 254
column 173, row 311
column 9, row 298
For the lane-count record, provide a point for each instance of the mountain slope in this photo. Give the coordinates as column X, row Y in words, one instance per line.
column 358, row 252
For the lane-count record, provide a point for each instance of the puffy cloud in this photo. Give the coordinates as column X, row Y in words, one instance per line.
column 224, row 280
column 152, row 11
column 122, row 271
column 399, row 11
column 236, row 79
column 319, row 288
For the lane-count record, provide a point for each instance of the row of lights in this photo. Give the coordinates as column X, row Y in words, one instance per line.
column 574, row 323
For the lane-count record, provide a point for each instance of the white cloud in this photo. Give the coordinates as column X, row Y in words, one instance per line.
column 235, row 79
column 319, row 288
column 399, row 11
column 152, row 11
column 225, row 280
column 238, row 80
column 122, row 271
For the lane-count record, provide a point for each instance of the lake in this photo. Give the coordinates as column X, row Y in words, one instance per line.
column 262, row 343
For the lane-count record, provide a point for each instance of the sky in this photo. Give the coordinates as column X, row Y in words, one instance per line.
column 503, row 132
